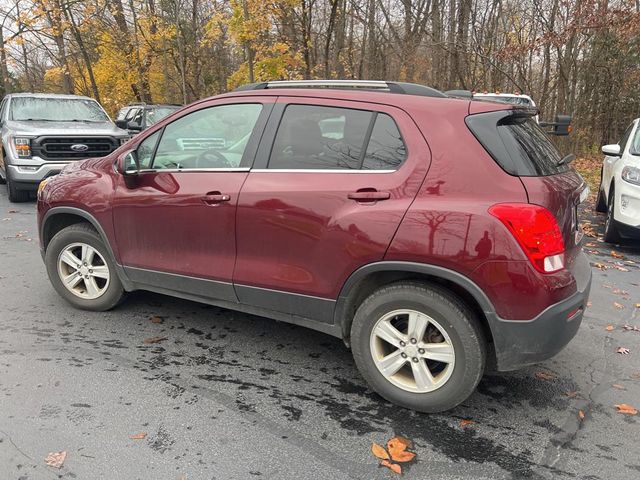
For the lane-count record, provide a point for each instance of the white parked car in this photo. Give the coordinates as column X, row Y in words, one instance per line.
column 619, row 193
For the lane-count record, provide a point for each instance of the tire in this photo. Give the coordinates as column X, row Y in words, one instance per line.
column 76, row 239
column 453, row 381
column 601, row 205
column 15, row 195
column 611, row 234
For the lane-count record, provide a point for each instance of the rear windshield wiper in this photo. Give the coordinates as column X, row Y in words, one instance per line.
column 567, row 159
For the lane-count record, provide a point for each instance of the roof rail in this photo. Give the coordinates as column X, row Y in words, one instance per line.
column 379, row 85
column 459, row 93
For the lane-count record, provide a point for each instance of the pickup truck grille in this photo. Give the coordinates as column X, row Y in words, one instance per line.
column 69, row 148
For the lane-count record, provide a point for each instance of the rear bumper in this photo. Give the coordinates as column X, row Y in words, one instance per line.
column 519, row 343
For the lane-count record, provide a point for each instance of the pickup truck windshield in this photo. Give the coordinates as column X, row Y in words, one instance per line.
column 56, row 110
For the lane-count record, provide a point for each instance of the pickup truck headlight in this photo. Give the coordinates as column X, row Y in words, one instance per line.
column 631, row 175
column 22, row 146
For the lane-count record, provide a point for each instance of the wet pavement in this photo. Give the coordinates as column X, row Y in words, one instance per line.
column 234, row 396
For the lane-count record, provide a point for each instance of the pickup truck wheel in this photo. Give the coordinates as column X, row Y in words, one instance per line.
column 15, row 195
column 81, row 270
column 611, row 234
column 418, row 346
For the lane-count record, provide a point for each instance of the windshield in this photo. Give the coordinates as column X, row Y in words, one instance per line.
column 57, row 110
column 155, row 114
column 634, row 148
column 510, row 100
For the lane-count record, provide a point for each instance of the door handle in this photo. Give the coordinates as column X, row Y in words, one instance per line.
column 369, row 195
column 215, row 198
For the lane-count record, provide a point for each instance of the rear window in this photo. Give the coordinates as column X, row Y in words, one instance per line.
column 517, row 144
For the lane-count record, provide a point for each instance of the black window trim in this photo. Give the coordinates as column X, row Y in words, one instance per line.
column 263, row 155
column 250, row 151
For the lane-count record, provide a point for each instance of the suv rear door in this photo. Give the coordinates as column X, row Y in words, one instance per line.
column 317, row 204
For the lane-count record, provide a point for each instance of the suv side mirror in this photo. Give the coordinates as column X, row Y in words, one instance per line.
column 612, row 150
column 121, row 124
column 134, row 126
column 129, row 167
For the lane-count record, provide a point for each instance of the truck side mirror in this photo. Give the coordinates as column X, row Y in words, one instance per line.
column 560, row 127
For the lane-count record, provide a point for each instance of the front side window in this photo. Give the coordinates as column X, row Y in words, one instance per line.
column 625, row 138
column 57, row 110
column 634, row 148
column 155, row 114
column 213, row 137
column 312, row 137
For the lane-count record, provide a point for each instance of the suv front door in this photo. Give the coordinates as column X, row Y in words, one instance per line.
column 175, row 220
column 327, row 192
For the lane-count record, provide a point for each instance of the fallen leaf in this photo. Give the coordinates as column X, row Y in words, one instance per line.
column 631, row 328
column 571, row 394
column 626, row 409
column 155, row 339
column 623, row 351
column 545, row 376
column 610, row 328
column 591, row 244
column 379, row 451
column 619, row 306
column 156, row 319
column 464, row 423
column 138, row 436
column 403, row 456
column 12, row 211
column 617, row 291
column 589, row 304
column 600, row 266
column 6, row 219
column 618, row 386
column 398, row 444
column 622, row 269
column 394, row 467
column 635, row 376
column 55, row 459
column 615, row 254
column 581, row 414
column 637, row 305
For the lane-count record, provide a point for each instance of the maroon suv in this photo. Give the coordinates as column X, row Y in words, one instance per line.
column 434, row 235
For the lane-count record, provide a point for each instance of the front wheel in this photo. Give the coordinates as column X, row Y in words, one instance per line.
column 611, row 234
column 81, row 270
column 15, row 195
column 418, row 346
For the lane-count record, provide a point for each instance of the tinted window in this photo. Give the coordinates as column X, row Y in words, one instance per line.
column 315, row 137
column 213, row 137
column 386, row 150
column 516, row 143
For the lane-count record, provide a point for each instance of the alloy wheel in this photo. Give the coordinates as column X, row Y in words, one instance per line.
column 83, row 271
column 412, row 351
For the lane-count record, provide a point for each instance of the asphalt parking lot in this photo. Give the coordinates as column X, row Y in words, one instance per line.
column 232, row 396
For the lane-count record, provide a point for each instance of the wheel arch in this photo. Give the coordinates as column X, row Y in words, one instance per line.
column 373, row 276
column 58, row 218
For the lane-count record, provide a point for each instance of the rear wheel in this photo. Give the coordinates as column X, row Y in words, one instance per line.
column 418, row 346
column 611, row 234
column 81, row 270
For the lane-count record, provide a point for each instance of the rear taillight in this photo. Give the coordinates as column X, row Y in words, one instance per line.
column 536, row 230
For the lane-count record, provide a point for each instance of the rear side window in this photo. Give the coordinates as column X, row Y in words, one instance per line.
column 386, row 150
column 314, row 137
column 517, row 144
